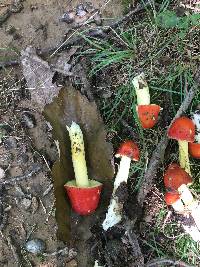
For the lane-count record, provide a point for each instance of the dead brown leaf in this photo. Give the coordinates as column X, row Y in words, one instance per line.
column 70, row 106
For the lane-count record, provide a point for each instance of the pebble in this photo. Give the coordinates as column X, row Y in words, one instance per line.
column 68, row 17
column 10, row 143
column 26, row 203
column 35, row 246
column 28, row 120
column 2, row 173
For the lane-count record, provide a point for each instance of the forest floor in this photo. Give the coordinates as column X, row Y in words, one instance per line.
column 96, row 54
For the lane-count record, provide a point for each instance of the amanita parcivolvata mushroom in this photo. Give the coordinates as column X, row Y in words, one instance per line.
column 173, row 199
column 176, row 179
column 183, row 130
column 128, row 151
column 84, row 194
column 194, row 148
column 147, row 113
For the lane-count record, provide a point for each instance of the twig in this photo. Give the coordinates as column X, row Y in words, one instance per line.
column 129, row 15
column 99, row 32
column 167, row 262
column 75, row 38
column 35, row 168
column 158, row 154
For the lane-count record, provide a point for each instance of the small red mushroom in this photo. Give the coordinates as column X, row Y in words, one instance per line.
column 183, row 130
column 194, row 148
column 147, row 113
column 127, row 151
column 173, row 199
column 176, row 179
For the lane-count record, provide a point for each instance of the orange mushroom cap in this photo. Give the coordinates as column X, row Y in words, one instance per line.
column 194, row 150
column 183, row 129
column 128, row 149
column 175, row 176
column 171, row 197
column 148, row 115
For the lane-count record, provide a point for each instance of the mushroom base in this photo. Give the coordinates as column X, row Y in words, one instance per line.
column 84, row 200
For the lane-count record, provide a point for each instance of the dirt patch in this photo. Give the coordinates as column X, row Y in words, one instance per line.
column 27, row 203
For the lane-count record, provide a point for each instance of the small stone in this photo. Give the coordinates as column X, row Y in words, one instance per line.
column 68, row 17
column 28, row 120
column 10, row 143
column 2, row 173
column 35, row 246
column 26, row 203
column 33, row 7
column 88, row 6
column 71, row 263
column 15, row 171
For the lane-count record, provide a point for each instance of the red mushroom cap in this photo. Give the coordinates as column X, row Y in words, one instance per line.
column 194, row 150
column 175, row 176
column 183, row 129
column 84, row 200
column 171, row 197
column 128, row 149
column 148, row 115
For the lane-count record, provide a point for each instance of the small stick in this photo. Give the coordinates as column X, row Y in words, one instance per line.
column 158, row 154
column 166, row 262
column 46, row 192
column 63, row 251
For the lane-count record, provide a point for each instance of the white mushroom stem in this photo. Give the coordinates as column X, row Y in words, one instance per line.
column 186, row 195
column 183, row 156
column 192, row 230
column 194, row 209
column 178, row 206
column 78, row 155
column 114, row 214
column 141, row 89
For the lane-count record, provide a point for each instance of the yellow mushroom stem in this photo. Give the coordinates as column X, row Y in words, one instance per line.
column 78, row 155
column 183, row 156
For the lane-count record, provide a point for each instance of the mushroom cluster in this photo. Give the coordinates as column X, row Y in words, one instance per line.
column 84, row 194
column 177, row 178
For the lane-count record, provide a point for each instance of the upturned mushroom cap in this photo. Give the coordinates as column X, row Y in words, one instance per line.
column 175, row 176
column 171, row 198
column 128, row 149
column 182, row 129
column 148, row 115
